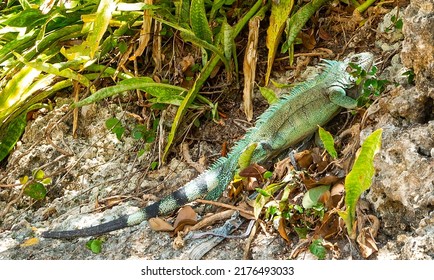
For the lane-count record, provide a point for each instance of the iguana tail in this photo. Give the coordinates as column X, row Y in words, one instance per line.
column 211, row 183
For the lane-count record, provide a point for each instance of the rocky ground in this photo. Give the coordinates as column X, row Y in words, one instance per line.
column 95, row 170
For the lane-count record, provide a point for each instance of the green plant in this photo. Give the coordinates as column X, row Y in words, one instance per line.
column 35, row 188
column 370, row 84
column 397, row 23
column 36, row 60
column 410, row 76
column 138, row 132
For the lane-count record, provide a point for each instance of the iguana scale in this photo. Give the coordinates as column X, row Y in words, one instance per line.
column 285, row 123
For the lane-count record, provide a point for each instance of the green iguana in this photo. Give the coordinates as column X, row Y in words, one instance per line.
column 288, row 121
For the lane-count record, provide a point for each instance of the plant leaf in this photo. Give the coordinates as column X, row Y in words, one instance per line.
column 279, row 14
column 199, row 22
column 11, row 134
column 143, row 83
column 327, row 140
column 269, row 95
column 360, row 178
column 36, row 191
column 312, row 196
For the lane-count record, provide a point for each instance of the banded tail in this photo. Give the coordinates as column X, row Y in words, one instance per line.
column 211, row 183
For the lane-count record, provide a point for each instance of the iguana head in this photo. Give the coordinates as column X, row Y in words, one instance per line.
column 363, row 60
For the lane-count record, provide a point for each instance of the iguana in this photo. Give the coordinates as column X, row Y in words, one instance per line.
column 285, row 123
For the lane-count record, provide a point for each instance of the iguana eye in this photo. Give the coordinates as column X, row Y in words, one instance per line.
column 355, row 59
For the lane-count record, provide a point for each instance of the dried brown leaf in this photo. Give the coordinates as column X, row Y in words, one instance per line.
column 186, row 216
column 254, row 170
column 304, row 159
column 158, row 224
column 323, row 34
column 249, row 66
column 366, row 237
column 308, row 40
column 145, row 31
column 282, row 230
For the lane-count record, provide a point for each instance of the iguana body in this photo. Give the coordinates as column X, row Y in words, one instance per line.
column 285, row 123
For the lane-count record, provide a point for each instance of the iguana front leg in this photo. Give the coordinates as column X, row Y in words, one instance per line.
column 338, row 96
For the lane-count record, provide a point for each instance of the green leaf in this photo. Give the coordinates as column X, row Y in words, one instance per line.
column 360, row 178
column 143, row 83
column 16, row 88
column 154, row 165
column 327, row 140
column 267, row 174
column 263, row 192
column 24, row 179
column 139, row 132
column 199, row 22
column 246, row 156
column 111, row 123
column 301, row 232
column 114, row 125
column 398, row 24
column 95, row 245
column 269, row 95
column 11, row 133
column 96, row 31
column 280, row 12
column 27, row 18
column 36, row 191
column 201, row 79
column 46, row 181
column 264, row 196
column 318, row 249
column 39, row 174
column 55, row 69
column 311, row 197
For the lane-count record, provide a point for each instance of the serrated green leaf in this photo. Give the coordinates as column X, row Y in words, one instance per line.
column 310, row 198
column 327, row 140
column 36, row 191
column 360, row 178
